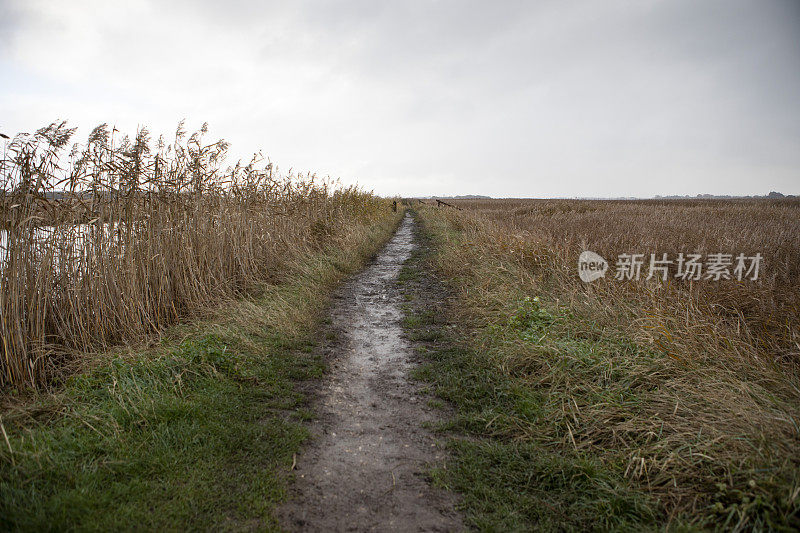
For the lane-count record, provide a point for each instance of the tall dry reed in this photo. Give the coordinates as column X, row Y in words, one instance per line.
column 114, row 240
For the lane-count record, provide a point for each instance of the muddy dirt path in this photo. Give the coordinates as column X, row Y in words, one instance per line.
column 364, row 469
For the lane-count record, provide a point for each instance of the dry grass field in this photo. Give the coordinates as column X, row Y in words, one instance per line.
column 686, row 391
column 747, row 320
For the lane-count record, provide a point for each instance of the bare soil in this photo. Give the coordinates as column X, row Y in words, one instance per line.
column 364, row 470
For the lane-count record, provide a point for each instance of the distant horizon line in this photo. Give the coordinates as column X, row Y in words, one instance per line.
column 772, row 195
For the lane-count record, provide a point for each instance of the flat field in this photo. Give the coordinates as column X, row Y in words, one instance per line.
column 676, row 398
column 755, row 318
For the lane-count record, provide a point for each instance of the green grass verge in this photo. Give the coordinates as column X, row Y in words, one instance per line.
column 511, row 484
column 197, row 433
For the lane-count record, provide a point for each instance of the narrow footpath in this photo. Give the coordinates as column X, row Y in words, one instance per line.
column 364, row 469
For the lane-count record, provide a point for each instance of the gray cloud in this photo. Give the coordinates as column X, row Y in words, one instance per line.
column 503, row 98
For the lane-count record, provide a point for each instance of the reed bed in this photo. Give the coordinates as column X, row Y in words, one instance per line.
column 109, row 242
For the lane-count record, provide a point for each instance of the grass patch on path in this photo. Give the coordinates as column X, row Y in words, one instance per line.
column 198, row 432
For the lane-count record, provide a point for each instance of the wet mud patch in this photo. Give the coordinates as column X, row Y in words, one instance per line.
column 366, row 467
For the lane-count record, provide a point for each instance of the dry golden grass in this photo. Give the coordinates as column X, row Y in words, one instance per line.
column 749, row 320
column 116, row 240
column 702, row 408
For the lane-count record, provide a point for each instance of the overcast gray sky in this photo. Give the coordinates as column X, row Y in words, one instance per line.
column 542, row 99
